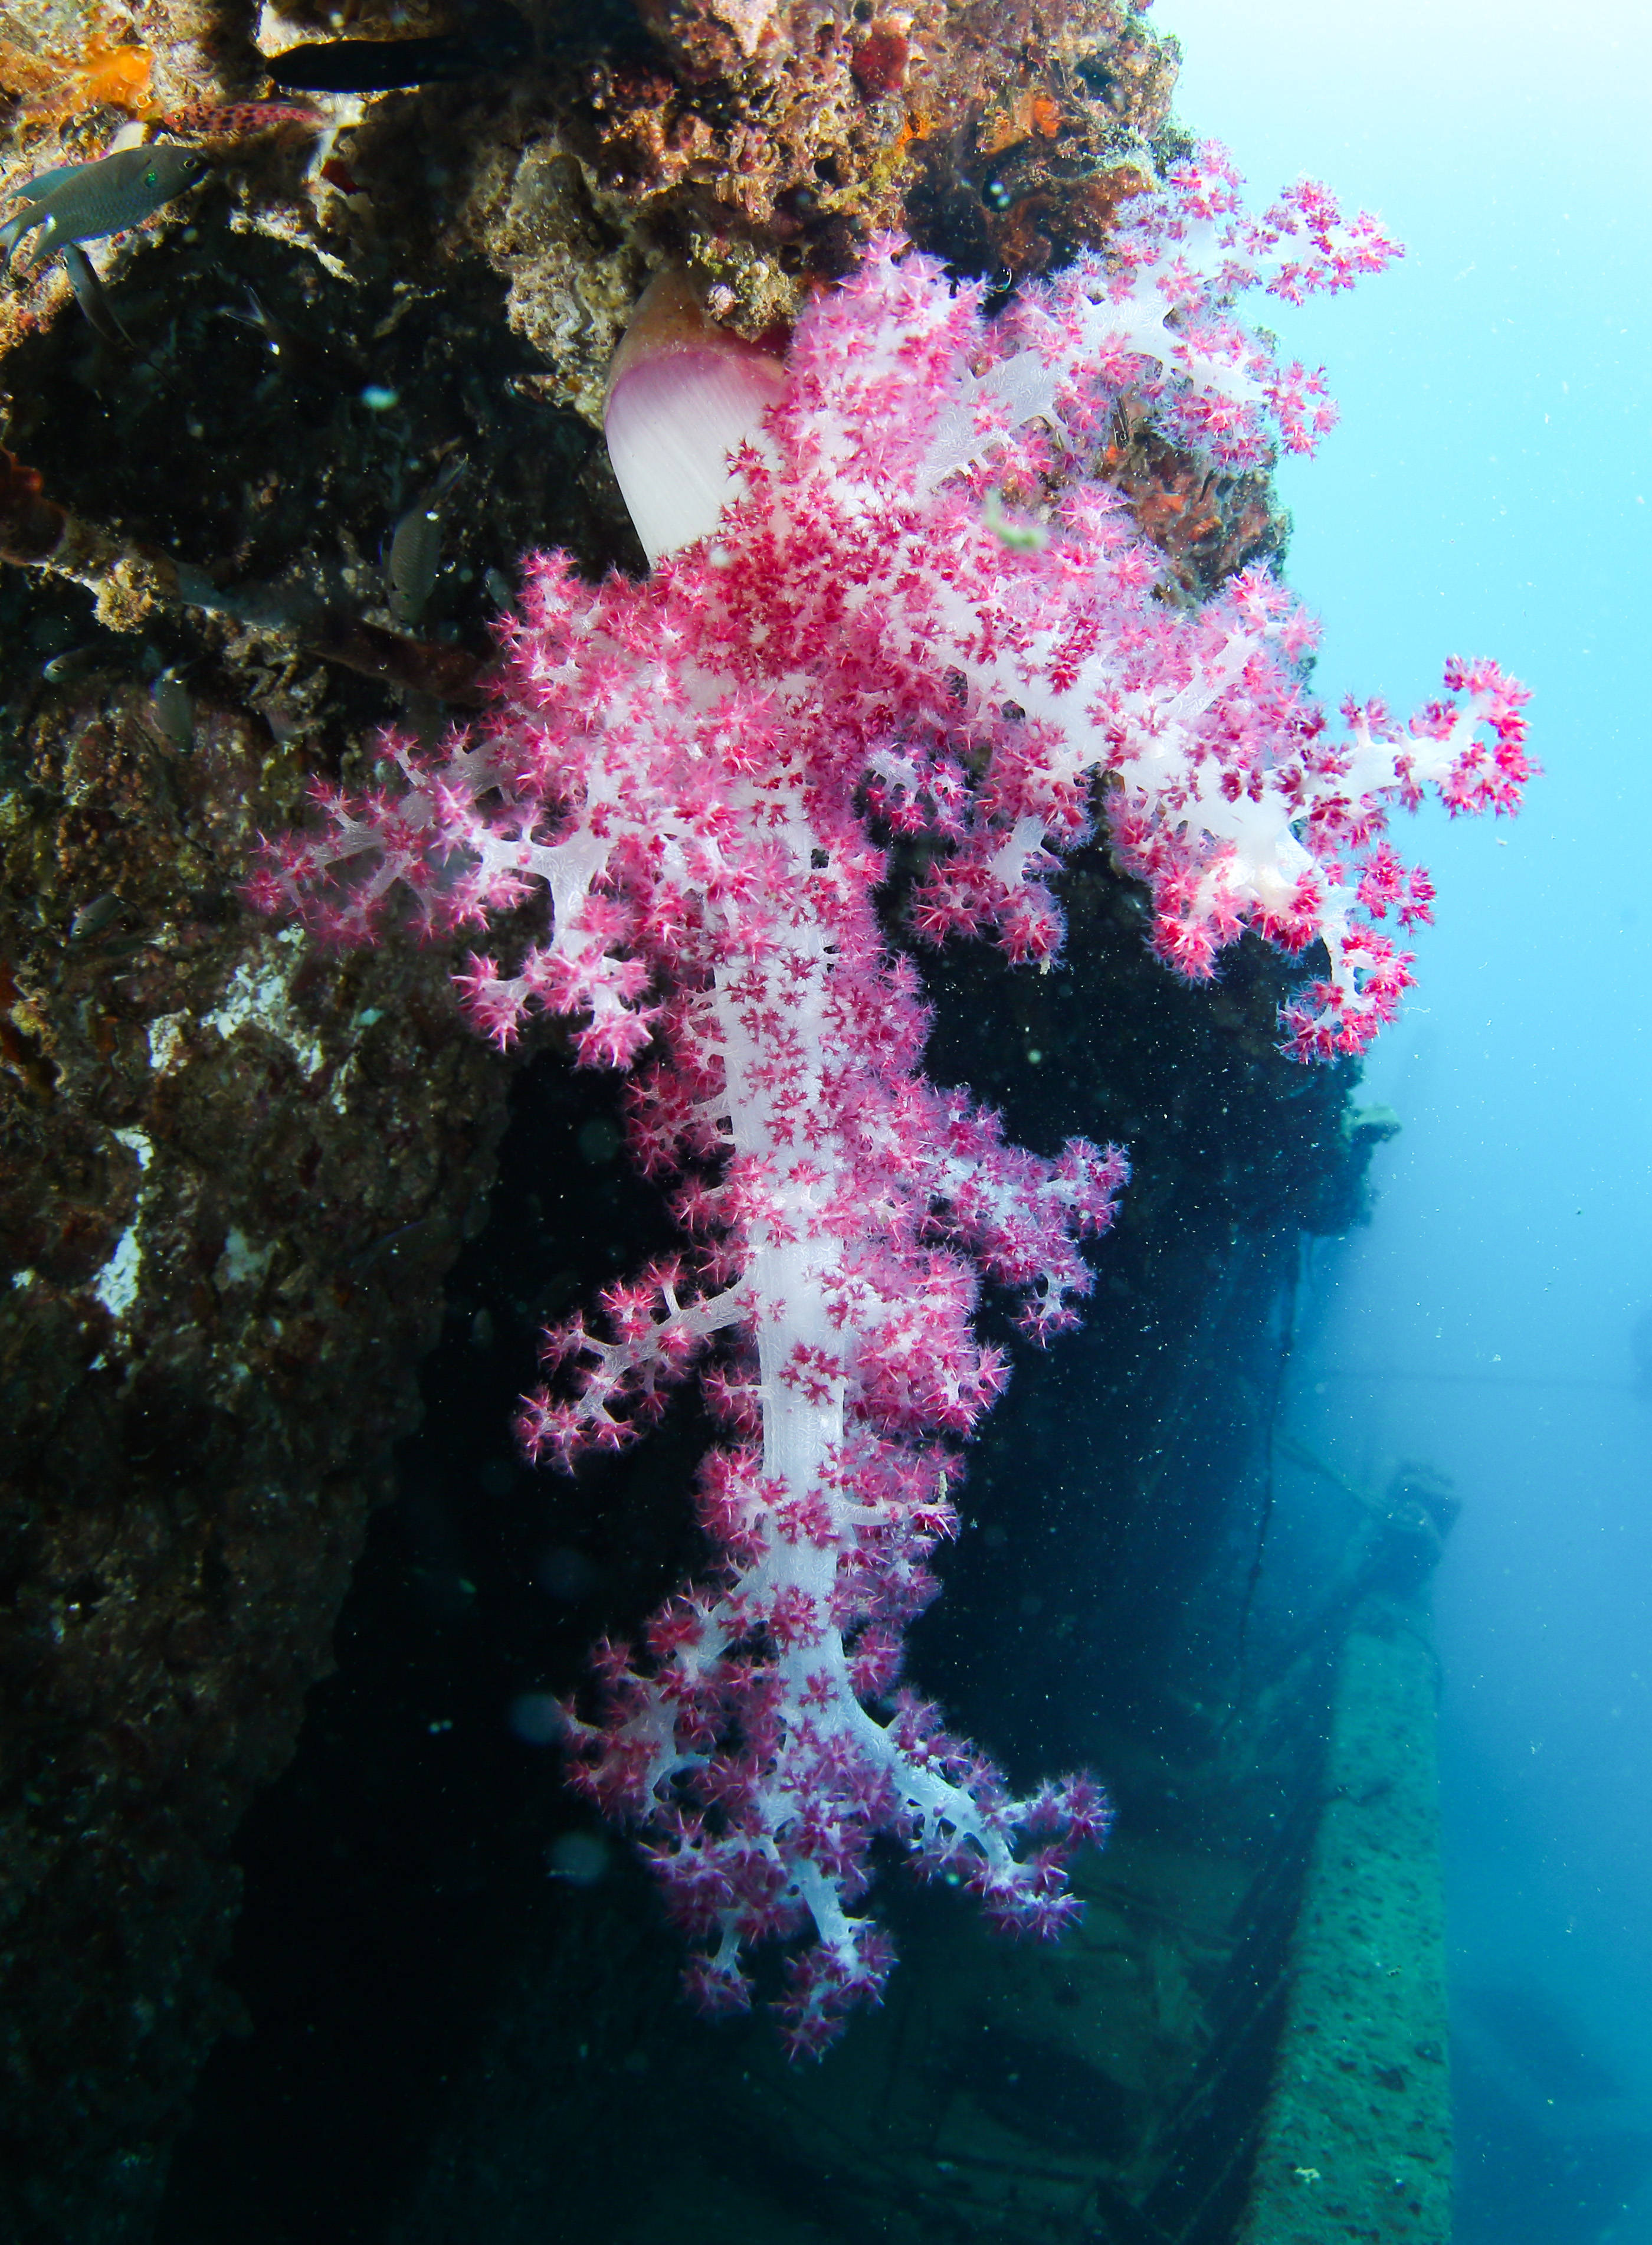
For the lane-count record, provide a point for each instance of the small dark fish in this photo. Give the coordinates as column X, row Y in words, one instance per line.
column 172, row 709
column 320, row 364
column 93, row 298
column 91, row 919
column 452, row 674
column 416, row 547
column 496, row 39
column 276, row 606
column 82, row 202
column 74, row 661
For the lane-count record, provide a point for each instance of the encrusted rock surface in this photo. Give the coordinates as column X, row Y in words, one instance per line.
column 231, row 1175
column 763, row 144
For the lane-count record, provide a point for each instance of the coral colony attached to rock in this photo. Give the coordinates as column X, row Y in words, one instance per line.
column 992, row 572
column 910, row 608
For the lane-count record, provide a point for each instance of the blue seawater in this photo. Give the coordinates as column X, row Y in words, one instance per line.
column 1490, row 487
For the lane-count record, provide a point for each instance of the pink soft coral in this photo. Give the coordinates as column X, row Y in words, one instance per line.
column 680, row 772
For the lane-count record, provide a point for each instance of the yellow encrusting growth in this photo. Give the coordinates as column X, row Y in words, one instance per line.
column 53, row 91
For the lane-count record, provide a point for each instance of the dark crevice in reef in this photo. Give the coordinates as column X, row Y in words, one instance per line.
column 439, row 1948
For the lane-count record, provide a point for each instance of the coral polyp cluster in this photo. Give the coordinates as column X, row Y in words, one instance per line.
column 685, row 788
